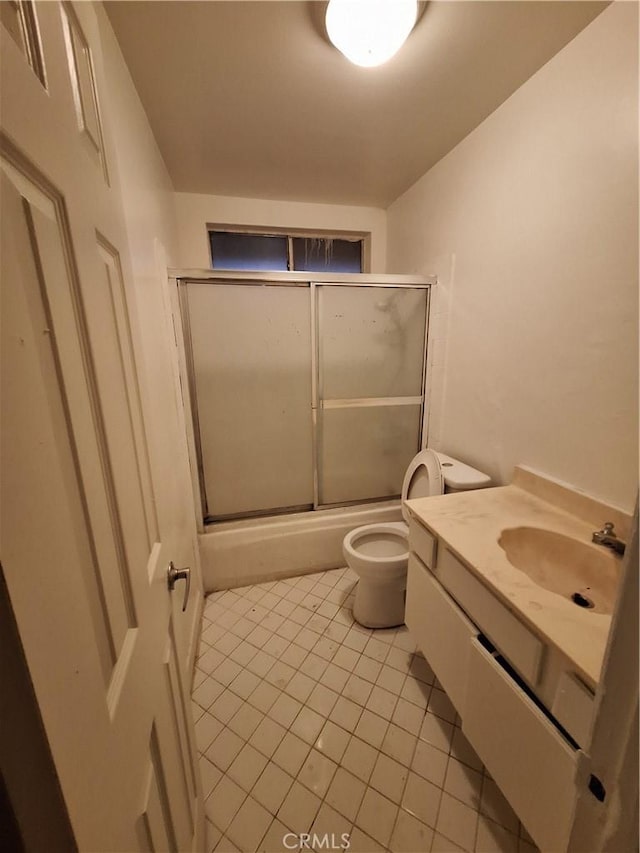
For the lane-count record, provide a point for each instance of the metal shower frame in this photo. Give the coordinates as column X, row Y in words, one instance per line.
column 182, row 278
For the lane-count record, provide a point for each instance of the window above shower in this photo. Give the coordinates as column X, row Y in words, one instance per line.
column 254, row 251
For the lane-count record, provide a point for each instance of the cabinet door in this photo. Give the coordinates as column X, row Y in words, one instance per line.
column 441, row 630
column 531, row 762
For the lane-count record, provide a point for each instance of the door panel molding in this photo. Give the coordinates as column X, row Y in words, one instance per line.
column 83, row 85
column 111, row 258
column 92, row 576
column 163, row 793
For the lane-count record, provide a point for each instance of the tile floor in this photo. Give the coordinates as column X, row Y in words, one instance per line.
column 307, row 722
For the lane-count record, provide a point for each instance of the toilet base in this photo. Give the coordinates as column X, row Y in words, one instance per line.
column 379, row 605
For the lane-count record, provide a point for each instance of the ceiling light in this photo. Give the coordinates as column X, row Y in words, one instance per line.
column 369, row 32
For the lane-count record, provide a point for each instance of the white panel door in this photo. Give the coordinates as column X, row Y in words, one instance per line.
column 84, row 550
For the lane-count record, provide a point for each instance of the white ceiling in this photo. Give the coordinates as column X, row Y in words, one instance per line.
column 249, row 99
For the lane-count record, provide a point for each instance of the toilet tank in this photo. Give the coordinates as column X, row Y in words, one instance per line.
column 460, row 477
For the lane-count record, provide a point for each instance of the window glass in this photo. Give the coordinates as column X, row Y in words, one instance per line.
column 239, row 251
column 319, row 254
column 247, row 251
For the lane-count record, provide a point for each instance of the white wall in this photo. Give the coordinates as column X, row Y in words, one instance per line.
column 532, row 221
column 195, row 211
column 143, row 183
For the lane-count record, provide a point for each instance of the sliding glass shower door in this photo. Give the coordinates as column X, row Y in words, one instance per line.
column 251, row 372
column 304, row 394
column 371, row 345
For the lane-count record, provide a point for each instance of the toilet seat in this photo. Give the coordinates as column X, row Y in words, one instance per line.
column 360, row 546
column 423, row 479
column 379, row 553
column 369, row 549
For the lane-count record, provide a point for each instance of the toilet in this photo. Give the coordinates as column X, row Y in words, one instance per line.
column 379, row 553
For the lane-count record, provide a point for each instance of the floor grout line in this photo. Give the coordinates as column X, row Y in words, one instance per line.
column 219, row 610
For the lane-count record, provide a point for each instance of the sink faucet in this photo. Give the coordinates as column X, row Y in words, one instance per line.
column 608, row 538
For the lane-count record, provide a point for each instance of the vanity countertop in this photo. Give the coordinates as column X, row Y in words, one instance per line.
column 470, row 523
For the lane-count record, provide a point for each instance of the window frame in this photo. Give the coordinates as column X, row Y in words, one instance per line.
column 364, row 237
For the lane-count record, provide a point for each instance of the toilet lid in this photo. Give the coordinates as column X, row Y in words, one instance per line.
column 423, row 479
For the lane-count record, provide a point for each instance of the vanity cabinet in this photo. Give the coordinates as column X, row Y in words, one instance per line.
column 489, row 663
column 431, row 615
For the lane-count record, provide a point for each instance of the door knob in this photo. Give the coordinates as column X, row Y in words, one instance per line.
column 174, row 575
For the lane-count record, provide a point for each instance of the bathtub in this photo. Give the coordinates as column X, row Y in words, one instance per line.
column 239, row 553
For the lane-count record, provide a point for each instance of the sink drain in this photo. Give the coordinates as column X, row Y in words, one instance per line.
column 582, row 600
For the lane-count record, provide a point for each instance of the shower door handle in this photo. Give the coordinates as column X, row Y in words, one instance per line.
column 174, row 575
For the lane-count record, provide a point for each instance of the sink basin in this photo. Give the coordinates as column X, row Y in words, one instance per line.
column 583, row 573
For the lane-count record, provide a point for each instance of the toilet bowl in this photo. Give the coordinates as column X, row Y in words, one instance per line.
column 379, row 553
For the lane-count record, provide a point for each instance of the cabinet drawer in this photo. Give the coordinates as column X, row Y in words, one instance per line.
column 423, row 543
column 521, row 648
column 440, row 629
column 530, row 761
